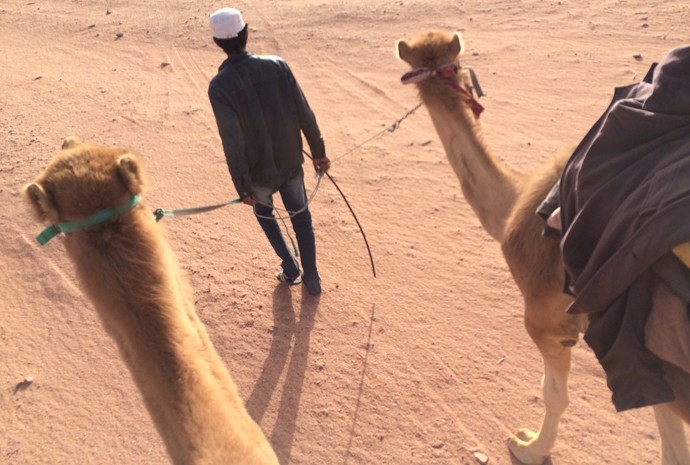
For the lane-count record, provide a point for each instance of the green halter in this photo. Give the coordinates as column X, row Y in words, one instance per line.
column 103, row 215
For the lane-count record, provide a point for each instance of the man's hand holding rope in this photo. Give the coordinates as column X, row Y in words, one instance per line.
column 321, row 165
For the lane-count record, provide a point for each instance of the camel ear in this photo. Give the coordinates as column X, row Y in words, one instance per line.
column 70, row 142
column 456, row 45
column 403, row 50
column 131, row 173
column 37, row 198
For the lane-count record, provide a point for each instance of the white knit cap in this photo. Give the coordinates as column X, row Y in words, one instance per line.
column 226, row 23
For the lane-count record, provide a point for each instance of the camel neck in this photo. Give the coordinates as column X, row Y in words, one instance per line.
column 490, row 189
column 147, row 308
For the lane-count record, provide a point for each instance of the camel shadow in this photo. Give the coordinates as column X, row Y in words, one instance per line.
column 288, row 327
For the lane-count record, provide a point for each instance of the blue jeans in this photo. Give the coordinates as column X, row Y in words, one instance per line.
column 294, row 198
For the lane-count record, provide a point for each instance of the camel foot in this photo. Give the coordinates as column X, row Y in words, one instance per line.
column 525, row 447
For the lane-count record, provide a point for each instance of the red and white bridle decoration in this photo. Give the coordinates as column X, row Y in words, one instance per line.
column 446, row 73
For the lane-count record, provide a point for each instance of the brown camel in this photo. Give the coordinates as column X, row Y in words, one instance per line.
column 507, row 212
column 128, row 270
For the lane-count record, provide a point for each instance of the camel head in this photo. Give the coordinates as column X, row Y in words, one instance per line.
column 83, row 179
column 434, row 58
column 431, row 49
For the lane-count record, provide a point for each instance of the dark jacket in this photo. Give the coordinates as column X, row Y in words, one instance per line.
column 261, row 111
column 625, row 203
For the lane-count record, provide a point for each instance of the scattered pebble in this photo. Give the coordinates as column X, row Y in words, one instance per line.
column 23, row 384
column 638, row 57
column 482, row 458
column 119, row 35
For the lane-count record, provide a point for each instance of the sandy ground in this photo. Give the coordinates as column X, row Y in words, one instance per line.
column 426, row 363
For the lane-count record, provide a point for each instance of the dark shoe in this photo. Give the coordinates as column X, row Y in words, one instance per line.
column 282, row 277
column 313, row 285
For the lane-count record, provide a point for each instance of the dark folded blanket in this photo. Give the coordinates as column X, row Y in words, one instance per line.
column 625, row 203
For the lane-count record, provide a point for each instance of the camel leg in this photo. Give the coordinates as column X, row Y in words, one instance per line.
column 674, row 447
column 534, row 448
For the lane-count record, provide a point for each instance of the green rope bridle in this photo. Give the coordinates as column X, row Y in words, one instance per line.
column 100, row 217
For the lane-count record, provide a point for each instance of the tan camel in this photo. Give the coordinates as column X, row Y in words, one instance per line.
column 128, row 270
column 507, row 212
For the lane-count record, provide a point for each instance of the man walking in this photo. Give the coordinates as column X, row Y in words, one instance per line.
column 261, row 114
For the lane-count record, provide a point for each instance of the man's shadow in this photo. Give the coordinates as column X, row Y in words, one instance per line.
column 287, row 325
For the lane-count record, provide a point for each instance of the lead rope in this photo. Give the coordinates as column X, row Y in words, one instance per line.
column 319, row 175
column 361, row 230
column 161, row 213
column 391, row 128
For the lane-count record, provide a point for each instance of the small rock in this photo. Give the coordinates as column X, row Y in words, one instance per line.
column 119, row 35
column 437, row 445
column 164, row 64
column 25, row 383
column 91, row 26
column 107, row 12
column 481, row 457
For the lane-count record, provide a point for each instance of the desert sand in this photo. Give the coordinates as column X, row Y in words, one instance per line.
column 428, row 362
